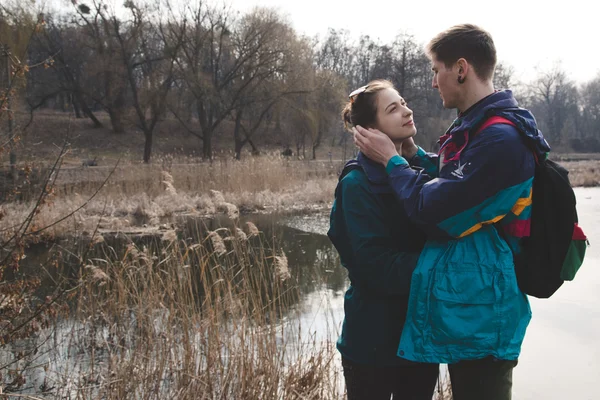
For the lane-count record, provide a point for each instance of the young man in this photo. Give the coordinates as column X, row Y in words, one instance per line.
column 465, row 307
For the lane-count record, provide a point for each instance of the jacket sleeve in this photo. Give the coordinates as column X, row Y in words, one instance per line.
column 377, row 263
column 427, row 161
column 493, row 177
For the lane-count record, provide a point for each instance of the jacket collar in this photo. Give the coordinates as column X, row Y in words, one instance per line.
column 378, row 178
column 498, row 100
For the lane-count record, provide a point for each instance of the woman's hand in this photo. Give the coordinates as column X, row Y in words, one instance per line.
column 409, row 148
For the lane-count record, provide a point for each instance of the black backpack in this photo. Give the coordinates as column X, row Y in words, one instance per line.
column 555, row 248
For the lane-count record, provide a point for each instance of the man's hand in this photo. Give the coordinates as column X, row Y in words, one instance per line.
column 374, row 144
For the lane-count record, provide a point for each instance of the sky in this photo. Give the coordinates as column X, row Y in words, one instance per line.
column 530, row 35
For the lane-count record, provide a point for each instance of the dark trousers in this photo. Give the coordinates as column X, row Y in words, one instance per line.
column 366, row 382
column 485, row 379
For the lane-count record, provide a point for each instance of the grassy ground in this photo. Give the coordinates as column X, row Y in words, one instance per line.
column 584, row 173
column 142, row 196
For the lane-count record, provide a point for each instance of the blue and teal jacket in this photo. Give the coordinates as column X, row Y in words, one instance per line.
column 379, row 247
column 464, row 301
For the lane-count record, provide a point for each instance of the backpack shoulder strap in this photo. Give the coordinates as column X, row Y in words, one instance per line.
column 496, row 119
column 350, row 166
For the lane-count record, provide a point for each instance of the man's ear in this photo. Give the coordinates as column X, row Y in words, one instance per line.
column 462, row 68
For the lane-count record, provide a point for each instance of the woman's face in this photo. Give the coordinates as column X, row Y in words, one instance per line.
column 394, row 118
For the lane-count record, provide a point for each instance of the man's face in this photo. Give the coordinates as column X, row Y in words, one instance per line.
column 445, row 80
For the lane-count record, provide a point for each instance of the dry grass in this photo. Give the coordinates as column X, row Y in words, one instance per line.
column 255, row 174
column 584, row 173
column 147, row 195
column 187, row 320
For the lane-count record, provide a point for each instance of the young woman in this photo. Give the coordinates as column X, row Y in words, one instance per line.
column 379, row 247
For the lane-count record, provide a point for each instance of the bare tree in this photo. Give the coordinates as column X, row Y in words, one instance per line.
column 70, row 61
column 148, row 49
column 335, row 53
column 503, row 76
column 329, row 95
column 366, row 54
column 206, row 67
column 588, row 136
column 555, row 100
column 260, row 83
column 16, row 29
column 281, row 68
column 105, row 64
column 590, row 99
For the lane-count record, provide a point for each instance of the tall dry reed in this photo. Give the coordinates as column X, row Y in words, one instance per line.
column 213, row 319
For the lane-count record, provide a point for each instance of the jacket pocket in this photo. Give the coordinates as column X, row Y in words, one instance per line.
column 463, row 306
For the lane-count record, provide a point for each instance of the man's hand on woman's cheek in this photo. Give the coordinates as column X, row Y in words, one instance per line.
column 374, row 144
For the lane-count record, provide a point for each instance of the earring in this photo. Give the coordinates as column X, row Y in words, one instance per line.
column 461, row 79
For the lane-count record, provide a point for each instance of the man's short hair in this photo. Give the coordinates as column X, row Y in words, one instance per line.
column 469, row 42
